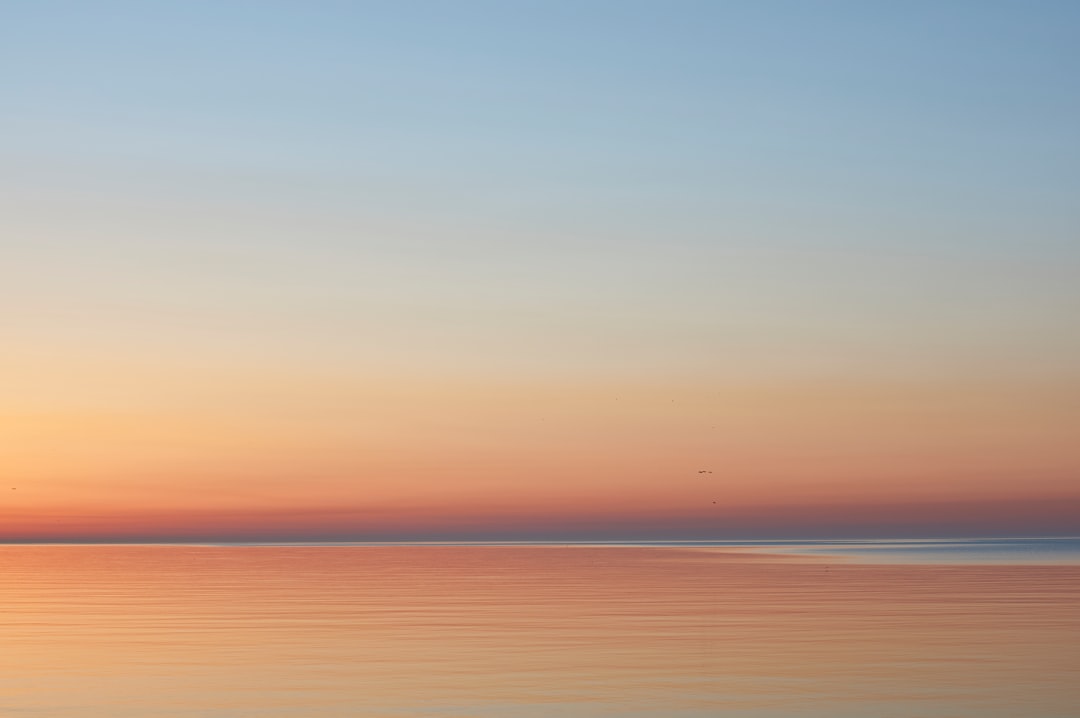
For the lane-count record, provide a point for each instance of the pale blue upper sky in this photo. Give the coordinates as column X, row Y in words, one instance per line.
column 848, row 183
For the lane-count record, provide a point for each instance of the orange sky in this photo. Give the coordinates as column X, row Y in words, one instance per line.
column 264, row 455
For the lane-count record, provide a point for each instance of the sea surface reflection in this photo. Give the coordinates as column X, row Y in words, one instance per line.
column 531, row 630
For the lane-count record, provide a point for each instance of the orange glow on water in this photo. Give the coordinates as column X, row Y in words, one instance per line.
column 119, row 631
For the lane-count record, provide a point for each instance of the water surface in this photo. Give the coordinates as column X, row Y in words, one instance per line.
column 677, row 631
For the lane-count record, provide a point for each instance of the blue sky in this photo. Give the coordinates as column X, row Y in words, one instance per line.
column 945, row 123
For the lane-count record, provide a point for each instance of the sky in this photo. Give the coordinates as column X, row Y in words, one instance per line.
column 367, row 270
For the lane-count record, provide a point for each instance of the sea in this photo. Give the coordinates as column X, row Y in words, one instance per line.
column 977, row 628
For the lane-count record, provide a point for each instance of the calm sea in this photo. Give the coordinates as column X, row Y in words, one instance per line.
column 776, row 630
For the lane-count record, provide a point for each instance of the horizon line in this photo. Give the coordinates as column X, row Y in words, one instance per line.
column 540, row 542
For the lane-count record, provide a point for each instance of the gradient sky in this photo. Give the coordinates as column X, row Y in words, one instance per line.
column 369, row 270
